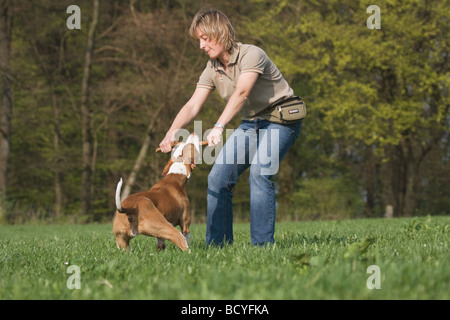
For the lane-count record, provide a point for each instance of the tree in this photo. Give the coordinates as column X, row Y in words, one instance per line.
column 6, row 100
column 164, row 67
column 381, row 95
column 86, row 187
column 376, row 133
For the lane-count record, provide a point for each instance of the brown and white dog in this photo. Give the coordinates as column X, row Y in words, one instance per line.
column 157, row 211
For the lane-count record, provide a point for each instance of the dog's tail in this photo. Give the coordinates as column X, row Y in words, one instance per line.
column 118, row 202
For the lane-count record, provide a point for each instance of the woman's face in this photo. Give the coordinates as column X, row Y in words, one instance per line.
column 213, row 49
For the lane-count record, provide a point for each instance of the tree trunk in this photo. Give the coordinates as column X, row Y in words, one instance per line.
column 57, row 158
column 6, row 102
column 405, row 165
column 86, row 118
column 369, row 168
column 397, row 177
column 141, row 156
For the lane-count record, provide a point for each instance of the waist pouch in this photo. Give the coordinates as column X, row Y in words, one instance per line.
column 287, row 111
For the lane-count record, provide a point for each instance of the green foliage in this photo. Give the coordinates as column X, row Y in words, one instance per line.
column 376, row 133
column 326, row 198
column 379, row 95
column 368, row 85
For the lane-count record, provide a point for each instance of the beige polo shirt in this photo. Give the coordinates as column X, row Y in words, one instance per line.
column 269, row 88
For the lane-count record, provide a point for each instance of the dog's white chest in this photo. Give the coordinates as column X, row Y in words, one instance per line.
column 178, row 168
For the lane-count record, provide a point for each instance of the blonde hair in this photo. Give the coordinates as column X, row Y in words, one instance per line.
column 216, row 25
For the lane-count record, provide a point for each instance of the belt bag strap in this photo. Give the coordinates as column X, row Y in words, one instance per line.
column 287, row 111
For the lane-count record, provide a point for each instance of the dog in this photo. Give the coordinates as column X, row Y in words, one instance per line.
column 157, row 211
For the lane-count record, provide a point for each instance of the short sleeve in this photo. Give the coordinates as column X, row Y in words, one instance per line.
column 254, row 60
column 206, row 78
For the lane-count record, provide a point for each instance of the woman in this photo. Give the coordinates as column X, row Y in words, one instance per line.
column 249, row 82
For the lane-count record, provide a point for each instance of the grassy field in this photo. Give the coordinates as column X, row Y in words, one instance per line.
column 311, row 260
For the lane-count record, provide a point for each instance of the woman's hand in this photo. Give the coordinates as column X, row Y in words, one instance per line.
column 215, row 136
column 185, row 116
column 166, row 144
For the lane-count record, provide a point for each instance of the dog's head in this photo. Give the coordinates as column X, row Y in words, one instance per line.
column 184, row 157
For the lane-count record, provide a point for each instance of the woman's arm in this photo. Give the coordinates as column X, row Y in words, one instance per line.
column 187, row 113
column 244, row 86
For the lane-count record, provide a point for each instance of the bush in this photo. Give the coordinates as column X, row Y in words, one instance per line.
column 327, row 198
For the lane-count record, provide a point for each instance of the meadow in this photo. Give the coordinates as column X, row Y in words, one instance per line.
column 310, row 260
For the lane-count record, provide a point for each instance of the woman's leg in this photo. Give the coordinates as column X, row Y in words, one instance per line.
column 231, row 162
column 274, row 141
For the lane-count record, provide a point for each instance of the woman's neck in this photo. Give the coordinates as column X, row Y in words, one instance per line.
column 224, row 58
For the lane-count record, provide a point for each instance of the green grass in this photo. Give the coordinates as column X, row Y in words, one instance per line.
column 311, row 260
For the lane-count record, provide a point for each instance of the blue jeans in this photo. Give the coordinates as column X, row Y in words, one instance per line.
column 260, row 145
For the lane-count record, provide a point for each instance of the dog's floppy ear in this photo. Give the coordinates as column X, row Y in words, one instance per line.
column 167, row 167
